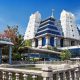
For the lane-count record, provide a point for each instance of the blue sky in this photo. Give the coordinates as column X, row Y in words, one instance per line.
column 17, row 12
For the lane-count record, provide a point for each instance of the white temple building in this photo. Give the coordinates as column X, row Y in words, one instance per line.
column 33, row 25
column 69, row 27
column 52, row 32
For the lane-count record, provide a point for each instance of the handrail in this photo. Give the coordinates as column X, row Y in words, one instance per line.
column 35, row 72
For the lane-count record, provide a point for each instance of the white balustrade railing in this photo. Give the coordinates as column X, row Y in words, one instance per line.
column 44, row 74
column 10, row 76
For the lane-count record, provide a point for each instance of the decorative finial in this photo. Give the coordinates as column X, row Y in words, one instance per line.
column 52, row 13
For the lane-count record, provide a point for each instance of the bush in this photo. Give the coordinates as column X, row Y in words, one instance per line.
column 65, row 55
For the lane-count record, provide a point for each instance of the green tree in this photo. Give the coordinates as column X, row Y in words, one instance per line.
column 13, row 34
column 65, row 55
column 27, row 43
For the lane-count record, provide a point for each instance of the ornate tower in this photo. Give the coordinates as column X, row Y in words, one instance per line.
column 68, row 24
column 33, row 25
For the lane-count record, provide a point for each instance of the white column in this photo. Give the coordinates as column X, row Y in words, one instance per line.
column 10, row 54
column 3, row 75
column 70, row 75
column 44, row 78
column 33, row 43
column 0, row 55
column 17, row 76
column 75, row 75
column 34, row 77
column 51, row 78
column 58, row 42
column 40, row 42
column 47, row 40
column 25, row 76
column 10, row 76
column 55, row 41
column 64, row 75
column 58, row 76
column 47, row 73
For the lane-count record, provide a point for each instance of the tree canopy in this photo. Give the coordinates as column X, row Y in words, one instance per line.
column 65, row 55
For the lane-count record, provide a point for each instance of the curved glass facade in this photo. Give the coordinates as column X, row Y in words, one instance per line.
column 43, row 41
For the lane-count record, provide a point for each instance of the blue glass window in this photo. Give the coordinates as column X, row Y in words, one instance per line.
column 43, row 41
column 36, row 42
column 52, row 41
column 61, row 42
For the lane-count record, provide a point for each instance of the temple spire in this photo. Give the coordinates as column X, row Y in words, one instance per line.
column 52, row 13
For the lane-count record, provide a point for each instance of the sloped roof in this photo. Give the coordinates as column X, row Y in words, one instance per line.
column 37, row 50
column 48, row 26
column 3, row 42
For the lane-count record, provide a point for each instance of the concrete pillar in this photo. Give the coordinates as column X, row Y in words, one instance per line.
column 34, row 77
column 0, row 55
column 55, row 41
column 47, row 73
column 40, row 42
column 47, row 40
column 33, row 43
column 10, row 76
column 10, row 54
column 58, row 42
column 64, row 76
column 66, row 42
column 58, row 76
column 3, row 75
column 70, row 75
column 17, row 76
column 25, row 76
column 75, row 76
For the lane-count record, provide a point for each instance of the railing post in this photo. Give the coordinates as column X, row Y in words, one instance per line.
column 34, row 77
column 10, row 76
column 47, row 73
column 4, row 75
column 70, row 75
column 58, row 76
column 76, row 73
column 25, row 76
column 17, row 76
column 64, row 75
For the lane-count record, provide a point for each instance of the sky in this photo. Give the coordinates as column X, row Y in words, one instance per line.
column 17, row 12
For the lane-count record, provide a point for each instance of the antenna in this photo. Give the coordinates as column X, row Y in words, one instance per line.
column 52, row 13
